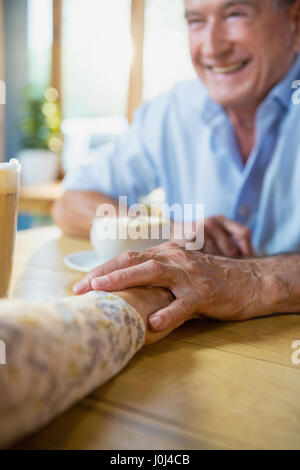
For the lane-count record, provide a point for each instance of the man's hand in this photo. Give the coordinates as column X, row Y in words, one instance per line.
column 225, row 237
column 220, row 288
column 75, row 211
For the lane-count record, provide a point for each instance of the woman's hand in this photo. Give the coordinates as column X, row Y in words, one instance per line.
column 147, row 300
column 221, row 288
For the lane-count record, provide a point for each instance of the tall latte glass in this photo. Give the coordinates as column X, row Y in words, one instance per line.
column 9, row 193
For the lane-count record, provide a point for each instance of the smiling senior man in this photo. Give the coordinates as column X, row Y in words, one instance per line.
column 228, row 139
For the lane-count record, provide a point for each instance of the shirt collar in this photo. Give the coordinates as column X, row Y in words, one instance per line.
column 283, row 91
column 212, row 113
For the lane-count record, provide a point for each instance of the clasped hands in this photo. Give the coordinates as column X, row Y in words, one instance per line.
column 214, row 286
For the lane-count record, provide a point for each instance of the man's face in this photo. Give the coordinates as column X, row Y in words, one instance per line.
column 240, row 48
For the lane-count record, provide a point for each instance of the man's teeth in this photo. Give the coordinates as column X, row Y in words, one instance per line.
column 229, row 69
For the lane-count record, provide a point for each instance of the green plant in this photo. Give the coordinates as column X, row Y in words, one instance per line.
column 41, row 120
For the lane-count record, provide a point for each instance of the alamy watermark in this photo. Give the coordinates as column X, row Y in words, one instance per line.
column 296, row 354
column 182, row 223
column 2, row 353
column 2, row 92
column 296, row 94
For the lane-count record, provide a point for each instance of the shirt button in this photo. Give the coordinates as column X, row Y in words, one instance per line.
column 244, row 211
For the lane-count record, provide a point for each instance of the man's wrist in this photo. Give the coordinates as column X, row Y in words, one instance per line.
column 280, row 287
column 260, row 291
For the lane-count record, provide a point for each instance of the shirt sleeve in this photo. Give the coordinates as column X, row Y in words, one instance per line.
column 58, row 353
column 128, row 166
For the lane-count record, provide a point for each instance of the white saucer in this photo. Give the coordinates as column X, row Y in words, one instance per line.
column 84, row 261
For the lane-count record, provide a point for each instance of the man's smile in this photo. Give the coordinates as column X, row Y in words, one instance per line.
column 227, row 69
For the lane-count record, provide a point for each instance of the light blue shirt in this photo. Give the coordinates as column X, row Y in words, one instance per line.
column 184, row 142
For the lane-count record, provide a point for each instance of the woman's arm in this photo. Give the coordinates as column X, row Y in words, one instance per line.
column 146, row 301
column 58, row 353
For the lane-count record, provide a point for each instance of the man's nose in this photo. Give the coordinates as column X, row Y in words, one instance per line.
column 216, row 44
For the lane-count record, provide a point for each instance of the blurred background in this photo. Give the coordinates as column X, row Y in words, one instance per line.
column 75, row 71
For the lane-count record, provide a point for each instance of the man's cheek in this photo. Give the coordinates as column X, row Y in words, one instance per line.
column 195, row 58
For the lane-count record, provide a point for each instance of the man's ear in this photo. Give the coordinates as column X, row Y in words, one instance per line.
column 294, row 14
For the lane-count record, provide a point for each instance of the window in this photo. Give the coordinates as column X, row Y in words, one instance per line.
column 39, row 42
column 96, row 57
column 97, row 52
column 166, row 52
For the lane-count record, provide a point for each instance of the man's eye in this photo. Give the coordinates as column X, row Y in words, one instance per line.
column 237, row 14
column 196, row 22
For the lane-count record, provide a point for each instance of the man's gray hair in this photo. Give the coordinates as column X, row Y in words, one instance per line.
column 284, row 3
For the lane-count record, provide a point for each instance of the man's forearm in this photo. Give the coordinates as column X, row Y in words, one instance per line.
column 76, row 210
column 281, row 286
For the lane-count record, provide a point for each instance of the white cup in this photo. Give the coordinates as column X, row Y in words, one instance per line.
column 111, row 236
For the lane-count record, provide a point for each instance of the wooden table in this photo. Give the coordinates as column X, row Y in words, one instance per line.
column 208, row 385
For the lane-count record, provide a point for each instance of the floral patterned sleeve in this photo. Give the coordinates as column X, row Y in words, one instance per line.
column 58, row 353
